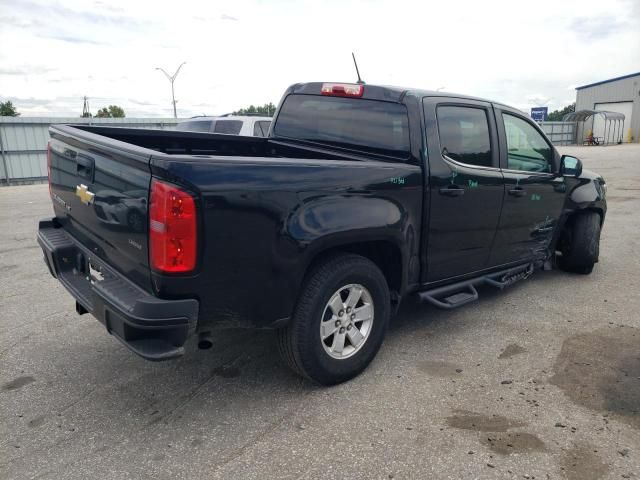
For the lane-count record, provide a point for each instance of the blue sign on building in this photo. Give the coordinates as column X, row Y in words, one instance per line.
column 539, row 114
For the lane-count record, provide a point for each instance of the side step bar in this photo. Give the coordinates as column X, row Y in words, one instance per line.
column 461, row 293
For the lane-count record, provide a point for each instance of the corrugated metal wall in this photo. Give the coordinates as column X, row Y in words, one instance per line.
column 623, row 90
column 560, row 133
column 23, row 142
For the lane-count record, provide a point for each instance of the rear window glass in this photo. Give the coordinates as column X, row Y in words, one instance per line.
column 355, row 123
column 199, row 126
column 230, row 127
column 261, row 128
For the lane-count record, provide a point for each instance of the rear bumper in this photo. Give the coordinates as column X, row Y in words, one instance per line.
column 154, row 328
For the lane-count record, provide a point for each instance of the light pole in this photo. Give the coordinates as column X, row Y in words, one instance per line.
column 172, row 78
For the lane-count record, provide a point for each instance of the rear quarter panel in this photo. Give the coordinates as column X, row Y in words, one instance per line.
column 264, row 222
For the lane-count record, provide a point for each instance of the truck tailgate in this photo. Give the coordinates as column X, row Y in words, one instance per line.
column 100, row 194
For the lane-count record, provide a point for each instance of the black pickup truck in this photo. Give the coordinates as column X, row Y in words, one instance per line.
column 361, row 195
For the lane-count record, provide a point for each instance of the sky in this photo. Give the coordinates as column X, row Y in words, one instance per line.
column 241, row 52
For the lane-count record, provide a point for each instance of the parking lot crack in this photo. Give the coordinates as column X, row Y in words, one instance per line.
column 290, row 414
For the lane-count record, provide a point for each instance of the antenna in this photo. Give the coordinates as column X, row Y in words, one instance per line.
column 357, row 71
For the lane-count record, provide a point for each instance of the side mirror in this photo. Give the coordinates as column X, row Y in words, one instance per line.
column 570, row 166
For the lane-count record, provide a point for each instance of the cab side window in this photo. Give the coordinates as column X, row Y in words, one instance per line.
column 261, row 128
column 464, row 135
column 527, row 150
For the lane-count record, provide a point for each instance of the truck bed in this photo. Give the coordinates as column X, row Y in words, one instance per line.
column 173, row 142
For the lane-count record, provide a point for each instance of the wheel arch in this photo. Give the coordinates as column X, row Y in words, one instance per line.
column 571, row 216
column 567, row 221
column 384, row 253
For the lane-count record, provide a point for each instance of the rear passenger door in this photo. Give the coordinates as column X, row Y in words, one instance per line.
column 466, row 186
column 534, row 191
column 261, row 128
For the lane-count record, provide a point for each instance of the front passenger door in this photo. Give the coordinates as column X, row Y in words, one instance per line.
column 534, row 191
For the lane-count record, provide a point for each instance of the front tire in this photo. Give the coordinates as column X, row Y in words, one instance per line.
column 580, row 245
column 339, row 321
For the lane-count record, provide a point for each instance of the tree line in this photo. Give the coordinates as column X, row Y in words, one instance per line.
column 557, row 115
column 267, row 110
column 8, row 109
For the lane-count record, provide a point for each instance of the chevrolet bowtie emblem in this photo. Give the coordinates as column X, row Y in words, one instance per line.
column 86, row 197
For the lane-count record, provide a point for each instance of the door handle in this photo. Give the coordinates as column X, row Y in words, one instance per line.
column 85, row 167
column 518, row 192
column 452, row 191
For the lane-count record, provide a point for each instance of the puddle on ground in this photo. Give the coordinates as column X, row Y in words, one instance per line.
column 601, row 371
column 482, row 423
column 513, row 442
column 582, row 463
column 38, row 421
column 18, row 383
column 512, row 350
column 438, row 369
column 227, row 371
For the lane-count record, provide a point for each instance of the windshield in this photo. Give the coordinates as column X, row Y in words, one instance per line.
column 353, row 123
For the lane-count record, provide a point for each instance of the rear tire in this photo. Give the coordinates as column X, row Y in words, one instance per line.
column 339, row 321
column 580, row 245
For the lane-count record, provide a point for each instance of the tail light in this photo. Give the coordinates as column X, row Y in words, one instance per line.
column 172, row 229
column 342, row 89
column 49, row 165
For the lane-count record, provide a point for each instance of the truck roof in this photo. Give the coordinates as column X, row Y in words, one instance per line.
column 388, row 93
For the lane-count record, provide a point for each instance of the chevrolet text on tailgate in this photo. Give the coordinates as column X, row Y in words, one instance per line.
column 360, row 196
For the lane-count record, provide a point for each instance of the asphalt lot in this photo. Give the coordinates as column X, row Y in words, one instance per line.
column 540, row 381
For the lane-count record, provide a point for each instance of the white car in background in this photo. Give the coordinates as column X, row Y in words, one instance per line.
column 250, row 126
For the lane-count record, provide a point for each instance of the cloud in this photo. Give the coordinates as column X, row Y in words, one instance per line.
column 26, row 70
column 538, row 99
column 103, row 16
column 73, row 39
column 107, row 50
column 20, row 22
column 596, row 28
column 141, row 102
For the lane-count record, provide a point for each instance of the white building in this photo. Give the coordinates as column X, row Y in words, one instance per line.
column 622, row 95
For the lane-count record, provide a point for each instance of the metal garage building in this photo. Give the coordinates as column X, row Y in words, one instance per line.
column 23, row 142
column 622, row 95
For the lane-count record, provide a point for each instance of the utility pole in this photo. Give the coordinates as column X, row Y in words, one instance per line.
column 85, row 108
column 172, row 79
